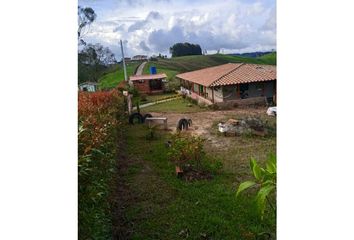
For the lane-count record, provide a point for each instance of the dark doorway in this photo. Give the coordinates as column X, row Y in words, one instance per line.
column 155, row 84
column 244, row 90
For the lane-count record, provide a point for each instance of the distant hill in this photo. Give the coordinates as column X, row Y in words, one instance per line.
column 250, row 54
column 173, row 66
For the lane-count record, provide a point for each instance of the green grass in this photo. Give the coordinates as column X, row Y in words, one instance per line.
column 270, row 58
column 111, row 80
column 153, row 98
column 179, row 105
column 164, row 206
column 177, row 65
column 170, row 73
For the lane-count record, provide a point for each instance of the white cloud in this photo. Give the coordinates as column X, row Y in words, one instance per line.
column 152, row 27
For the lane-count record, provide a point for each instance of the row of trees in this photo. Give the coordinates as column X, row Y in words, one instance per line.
column 93, row 61
column 185, row 49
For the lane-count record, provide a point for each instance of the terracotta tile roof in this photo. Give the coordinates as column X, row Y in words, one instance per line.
column 147, row 77
column 208, row 75
column 231, row 73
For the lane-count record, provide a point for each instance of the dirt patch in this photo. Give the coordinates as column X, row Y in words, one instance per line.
column 191, row 175
column 234, row 151
column 202, row 122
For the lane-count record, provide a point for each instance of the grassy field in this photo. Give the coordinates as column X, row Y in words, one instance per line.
column 153, row 98
column 179, row 105
column 161, row 206
column 177, row 65
column 270, row 58
column 170, row 73
column 111, row 80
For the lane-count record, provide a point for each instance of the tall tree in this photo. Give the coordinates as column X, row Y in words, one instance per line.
column 184, row 49
column 86, row 16
column 93, row 60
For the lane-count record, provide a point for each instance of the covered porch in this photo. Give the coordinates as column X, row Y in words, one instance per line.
column 217, row 94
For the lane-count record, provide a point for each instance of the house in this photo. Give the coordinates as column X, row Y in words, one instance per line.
column 149, row 84
column 235, row 83
column 88, row 86
column 139, row 57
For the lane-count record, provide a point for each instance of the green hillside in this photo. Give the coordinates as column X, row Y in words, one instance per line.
column 177, row 65
column 270, row 58
column 111, row 80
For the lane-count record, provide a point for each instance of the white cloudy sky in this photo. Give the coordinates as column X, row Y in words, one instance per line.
column 152, row 26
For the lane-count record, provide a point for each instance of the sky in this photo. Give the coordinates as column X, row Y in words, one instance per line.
column 149, row 27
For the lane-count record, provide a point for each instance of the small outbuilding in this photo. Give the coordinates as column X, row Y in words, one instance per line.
column 149, row 84
column 88, row 86
column 231, row 83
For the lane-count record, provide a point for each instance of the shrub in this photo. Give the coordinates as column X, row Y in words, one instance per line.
column 172, row 85
column 192, row 100
column 187, row 150
column 100, row 117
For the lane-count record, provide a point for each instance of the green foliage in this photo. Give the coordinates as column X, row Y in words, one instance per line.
column 100, row 121
column 93, row 61
column 187, row 149
column 185, row 49
column 138, row 106
column 270, row 58
column 151, row 134
column 265, row 180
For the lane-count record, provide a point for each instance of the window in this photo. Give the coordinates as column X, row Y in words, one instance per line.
column 195, row 89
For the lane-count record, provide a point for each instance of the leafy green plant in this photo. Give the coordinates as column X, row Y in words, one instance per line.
column 138, row 106
column 151, row 132
column 265, row 181
column 101, row 115
column 186, row 149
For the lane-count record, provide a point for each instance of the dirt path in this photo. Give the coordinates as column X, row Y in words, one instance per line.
column 140, row 69
column 136, row 182
column 156, row 102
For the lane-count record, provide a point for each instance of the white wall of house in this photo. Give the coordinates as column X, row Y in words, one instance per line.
column 218, row 94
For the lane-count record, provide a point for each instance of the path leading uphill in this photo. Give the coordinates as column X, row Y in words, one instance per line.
column 140, row 69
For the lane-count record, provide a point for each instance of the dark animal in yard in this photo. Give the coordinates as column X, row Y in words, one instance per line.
column 183, row 124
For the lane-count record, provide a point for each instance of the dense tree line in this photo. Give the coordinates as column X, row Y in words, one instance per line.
column 185, row 49
column 93, row 61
